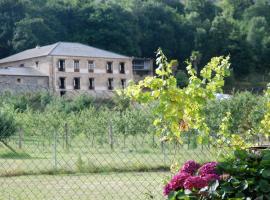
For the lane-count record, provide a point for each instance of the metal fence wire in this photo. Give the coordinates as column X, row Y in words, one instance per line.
column 113, row 166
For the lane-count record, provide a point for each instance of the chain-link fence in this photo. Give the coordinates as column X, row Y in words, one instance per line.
column 107, row 167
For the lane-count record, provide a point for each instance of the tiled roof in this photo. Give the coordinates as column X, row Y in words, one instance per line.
column 30, row 53
column 62, row 49
column 20, row 71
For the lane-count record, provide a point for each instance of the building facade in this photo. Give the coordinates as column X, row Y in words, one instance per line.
column 142, row 67
column 69, row 68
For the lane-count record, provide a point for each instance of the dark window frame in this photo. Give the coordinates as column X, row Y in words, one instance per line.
column 62, row 85
column 109, row 67
column 123, row 83
column 76, row 86
column 61, row 67
column 76, row 64
column 110, row 83
column 122, row 69
column 91, row 66
column 91, row 83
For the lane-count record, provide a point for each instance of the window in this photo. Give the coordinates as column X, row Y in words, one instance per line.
column 76, row 66
column 91, row 83
column 122, row 68
column 37, row 64
column 21, row 65
column 76, row 83
column 109, row 67
column 123, row 83
column 19, row 80
column 62, row 84
column 62, row 93
column 61, row 65
column 91, row 66
column 110, row 84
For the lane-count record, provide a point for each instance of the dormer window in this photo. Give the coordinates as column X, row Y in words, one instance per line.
column 122, row 68
column 76, row 66
column 61, row 65
column 109, row 67
column 91, row 65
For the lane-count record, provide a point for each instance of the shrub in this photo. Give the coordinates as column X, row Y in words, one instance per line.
column 248, row 176
column 244, row 175
column 190, row 179
column 246, row 111
column 7, row 128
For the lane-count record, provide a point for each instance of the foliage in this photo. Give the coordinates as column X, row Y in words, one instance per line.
column 138, row 28
column 7, row 125
column 243, row 175
column 181, row 78
column 190, row 179
column 246, row 111
column 248, row 176
column 265, row 123
column 179, row 110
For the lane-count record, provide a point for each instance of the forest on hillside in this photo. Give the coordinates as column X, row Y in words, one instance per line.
column 196, row 29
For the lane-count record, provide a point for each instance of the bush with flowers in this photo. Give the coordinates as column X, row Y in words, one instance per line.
column 243, row 175
column 190, row 179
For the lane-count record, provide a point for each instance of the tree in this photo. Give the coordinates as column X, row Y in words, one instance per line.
column 7, row 128
column 258, row 37
column 29, row 32
column 11, row 11
column 108, row 26
column 180, row 109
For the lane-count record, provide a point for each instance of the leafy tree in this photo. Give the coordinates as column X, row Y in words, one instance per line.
column 7, row 127
column 179, row 110
column 11, row 11
column 30, row 32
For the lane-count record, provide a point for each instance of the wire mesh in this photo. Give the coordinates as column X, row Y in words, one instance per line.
column 93, row 167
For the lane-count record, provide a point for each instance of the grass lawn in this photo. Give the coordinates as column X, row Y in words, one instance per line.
column 142, row 185
column 44, row 172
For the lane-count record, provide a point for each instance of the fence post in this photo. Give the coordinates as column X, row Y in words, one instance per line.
column 111, row 136
column 20, row 138
column 66, row 137
column 55, row 151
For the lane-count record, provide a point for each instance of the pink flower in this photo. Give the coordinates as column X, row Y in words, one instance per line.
column 176, row 183
column 190, row 167
column 211, row 177
column 195, row 182
column 208, row 168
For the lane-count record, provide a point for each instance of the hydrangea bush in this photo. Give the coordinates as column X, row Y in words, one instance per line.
column 244, row 175
column 191, row 178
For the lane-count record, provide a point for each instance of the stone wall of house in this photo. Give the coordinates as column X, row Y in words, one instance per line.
column 23, row 84
column 100, row 74
column 42, row 64
column 49, row 66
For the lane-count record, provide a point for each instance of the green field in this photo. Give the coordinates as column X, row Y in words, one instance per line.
column 83, row 186
column 47, row 170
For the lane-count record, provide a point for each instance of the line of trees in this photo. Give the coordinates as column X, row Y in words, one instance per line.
column 204, row 28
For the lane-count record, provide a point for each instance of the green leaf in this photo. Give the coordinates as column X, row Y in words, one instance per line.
column 241, row 154
column 266, row 173
column 264, row 186
column 172, row 195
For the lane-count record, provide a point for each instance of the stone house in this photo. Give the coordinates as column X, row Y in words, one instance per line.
column 66, row 68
